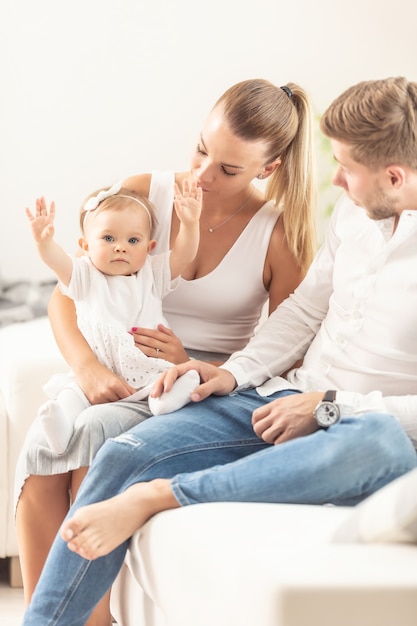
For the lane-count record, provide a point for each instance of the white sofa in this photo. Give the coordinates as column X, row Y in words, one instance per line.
column 222, row 564
column 28, row 357
column 262, row 565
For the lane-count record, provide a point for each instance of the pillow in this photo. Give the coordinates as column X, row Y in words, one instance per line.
column 388, row 515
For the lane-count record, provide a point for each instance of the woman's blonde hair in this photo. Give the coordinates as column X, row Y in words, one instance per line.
column 257, row 110
column 378, row 119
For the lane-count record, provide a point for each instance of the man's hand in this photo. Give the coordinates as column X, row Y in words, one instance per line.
column 287, row 418
column 215, row 381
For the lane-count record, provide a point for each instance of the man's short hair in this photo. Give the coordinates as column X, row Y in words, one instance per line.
column 378, row 119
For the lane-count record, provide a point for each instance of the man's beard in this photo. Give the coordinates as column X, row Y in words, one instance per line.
column 380, row 206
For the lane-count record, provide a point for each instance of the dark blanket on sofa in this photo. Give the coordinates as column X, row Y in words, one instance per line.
column 24, row 300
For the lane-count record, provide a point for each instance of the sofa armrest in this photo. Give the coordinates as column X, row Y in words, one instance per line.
column 28, row 357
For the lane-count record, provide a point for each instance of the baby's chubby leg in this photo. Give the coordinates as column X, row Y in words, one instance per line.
column 178, row 396
column 58, row 416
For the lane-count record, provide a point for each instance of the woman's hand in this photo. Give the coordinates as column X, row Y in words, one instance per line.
column 161, row 343
column 101, row 385
column 215, row 381
column 287, row 418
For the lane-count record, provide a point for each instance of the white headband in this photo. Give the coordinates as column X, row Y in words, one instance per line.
column 94, row 202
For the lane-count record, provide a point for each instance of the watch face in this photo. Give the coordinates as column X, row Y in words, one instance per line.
column 327, row 414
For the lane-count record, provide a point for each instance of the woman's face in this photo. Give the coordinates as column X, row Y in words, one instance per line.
column 224, row 164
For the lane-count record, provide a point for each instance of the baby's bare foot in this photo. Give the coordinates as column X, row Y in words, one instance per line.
column 97, row 529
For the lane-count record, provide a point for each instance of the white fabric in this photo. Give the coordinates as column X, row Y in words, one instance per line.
column 93, row 202
column 355, row 312
column 388, row 515
column 108, row 307
column 178, row 396
column 58, row 416
column 226, row 304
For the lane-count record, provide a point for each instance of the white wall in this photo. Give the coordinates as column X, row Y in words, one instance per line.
column 94, row 90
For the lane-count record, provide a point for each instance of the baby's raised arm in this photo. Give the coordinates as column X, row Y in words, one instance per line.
column 188, row 209
column 51, row 253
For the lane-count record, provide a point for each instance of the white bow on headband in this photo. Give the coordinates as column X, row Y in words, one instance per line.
column 93, row 202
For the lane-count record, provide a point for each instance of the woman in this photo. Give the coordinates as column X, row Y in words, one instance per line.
column 252, row 246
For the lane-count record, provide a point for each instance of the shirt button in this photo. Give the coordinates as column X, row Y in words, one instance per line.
column 341, row 341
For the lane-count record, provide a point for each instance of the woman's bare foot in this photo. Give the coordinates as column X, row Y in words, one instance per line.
column 97, row 529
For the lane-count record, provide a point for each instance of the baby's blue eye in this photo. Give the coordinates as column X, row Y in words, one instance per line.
column 133, row 240
column 108, row 238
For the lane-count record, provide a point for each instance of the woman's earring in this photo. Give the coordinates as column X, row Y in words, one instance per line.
column 260, row 176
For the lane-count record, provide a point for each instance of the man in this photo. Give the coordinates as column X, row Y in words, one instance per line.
column 335, row 429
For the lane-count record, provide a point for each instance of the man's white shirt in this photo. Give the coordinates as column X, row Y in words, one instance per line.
column 354, row 317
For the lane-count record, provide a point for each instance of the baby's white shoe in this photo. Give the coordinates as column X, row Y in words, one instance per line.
column 178, row 396
column 57, row 428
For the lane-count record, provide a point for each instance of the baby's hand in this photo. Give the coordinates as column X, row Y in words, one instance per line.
column 42, row 222
column 188, row 202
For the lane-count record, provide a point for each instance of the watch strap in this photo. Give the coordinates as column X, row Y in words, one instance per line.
column 329, row 396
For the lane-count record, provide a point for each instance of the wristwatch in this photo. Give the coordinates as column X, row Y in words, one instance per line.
column 327, row 412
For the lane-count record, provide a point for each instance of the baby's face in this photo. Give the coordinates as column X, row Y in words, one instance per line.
column 118, row 241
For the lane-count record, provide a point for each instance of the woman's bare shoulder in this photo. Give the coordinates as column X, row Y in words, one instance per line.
column 139, row 182
column 282, row 271
column 280, row 254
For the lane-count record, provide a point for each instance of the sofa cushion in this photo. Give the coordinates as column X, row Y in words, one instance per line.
column 389, row 515
column 250, row 564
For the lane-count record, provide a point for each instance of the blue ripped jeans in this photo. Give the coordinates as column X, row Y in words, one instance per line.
column 210, row 453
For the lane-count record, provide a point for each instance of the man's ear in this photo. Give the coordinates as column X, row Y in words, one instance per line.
column 82, row 242
column 397, row 176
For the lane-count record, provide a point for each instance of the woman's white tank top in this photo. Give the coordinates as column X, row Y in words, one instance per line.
column 218, row 312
